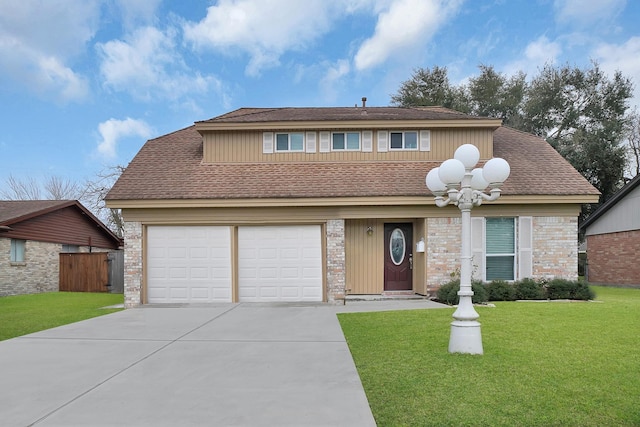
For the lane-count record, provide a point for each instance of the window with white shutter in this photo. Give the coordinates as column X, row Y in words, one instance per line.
column 383, row 144
column 267, row 142
column 367, row 141
column 311, row 142
column 325, row 142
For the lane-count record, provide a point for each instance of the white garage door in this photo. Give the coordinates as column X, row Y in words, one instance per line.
column 279, row 263
column 188, row 264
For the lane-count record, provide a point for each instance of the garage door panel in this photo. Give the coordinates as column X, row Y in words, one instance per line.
column 188, row 264
column 280, row 263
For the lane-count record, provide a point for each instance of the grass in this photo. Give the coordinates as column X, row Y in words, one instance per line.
column 25, row 314
column 544, row 364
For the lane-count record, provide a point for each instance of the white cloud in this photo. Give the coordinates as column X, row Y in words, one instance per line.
column 582, row 14
column 537, row 53
column 148, row 66
column 624, row 58
column 402, row 29
column 137, row 12
column 264, row 30
column 333, row 79
column 112, row 130
column 39, row 39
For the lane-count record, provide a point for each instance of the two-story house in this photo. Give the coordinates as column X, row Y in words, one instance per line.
column 308, row 204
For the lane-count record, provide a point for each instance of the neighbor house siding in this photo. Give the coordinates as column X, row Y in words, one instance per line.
column 612, row 258
column 246, row 147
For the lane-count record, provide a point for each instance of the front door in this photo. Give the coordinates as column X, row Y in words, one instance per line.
column 398, row 257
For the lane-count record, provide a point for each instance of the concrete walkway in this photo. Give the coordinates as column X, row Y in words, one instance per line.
column 210, row 365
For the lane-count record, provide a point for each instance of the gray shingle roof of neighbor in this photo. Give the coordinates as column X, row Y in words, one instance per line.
column 171, row 167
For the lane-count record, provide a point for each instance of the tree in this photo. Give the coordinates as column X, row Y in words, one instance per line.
column 632, row 132
column 94, row 193
column 53, row 188
column 580, row 112
column 431, row 87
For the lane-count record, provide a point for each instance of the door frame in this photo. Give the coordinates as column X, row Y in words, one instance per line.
column 407, row 229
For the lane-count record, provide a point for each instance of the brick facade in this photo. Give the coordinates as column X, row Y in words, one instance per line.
column 39, row 273
column 336, row 277
column 132, row 264
column 555, row 249
column 612, row 258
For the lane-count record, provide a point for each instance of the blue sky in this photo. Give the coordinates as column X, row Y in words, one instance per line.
column 84, row 83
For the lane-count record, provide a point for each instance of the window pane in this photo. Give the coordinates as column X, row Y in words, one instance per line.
column 282, row 142
column 396, row 140
column 297, row 142
column 500, row 235
column 353, row 141
column 17, row 250
column 411, row 140
column 500, row 268
column 338, row 141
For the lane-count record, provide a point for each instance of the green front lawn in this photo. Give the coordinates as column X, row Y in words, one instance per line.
column 544, row 364
column 24, row 314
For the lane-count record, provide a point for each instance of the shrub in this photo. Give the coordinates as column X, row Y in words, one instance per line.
column 448, row 293
column 500, row 290
column 569, row 289
column 529, row 289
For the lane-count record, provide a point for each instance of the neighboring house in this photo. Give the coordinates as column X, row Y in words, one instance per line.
column 613, row 238
column 309, row 204
column 33, row 233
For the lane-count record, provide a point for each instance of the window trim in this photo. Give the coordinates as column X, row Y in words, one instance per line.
column 345, row 133
column 289, row 149
column 13, row 257
column 514, row 254
column 404, row 148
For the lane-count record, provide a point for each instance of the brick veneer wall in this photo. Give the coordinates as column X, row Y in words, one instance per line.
column 39, row 273
column 555, row 249
column 612, row 258
column 335, row 261
column 132, row 264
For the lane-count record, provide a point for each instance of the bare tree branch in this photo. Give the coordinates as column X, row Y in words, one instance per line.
column 21, row 189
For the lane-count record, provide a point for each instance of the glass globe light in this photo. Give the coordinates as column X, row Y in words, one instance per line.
column 468, row 154
column 496, row 171
column 451, row 171
column 477, row 180
column 434, row 184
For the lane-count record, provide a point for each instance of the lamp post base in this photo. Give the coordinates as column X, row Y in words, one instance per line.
column 465, row 337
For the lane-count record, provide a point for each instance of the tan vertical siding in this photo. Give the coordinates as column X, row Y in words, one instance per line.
column 364, row 256
column 235, row 147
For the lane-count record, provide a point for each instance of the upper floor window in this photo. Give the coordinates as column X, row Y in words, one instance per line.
column 403, row 140
column 345, row 141
column 289, row 142
column 17, row 250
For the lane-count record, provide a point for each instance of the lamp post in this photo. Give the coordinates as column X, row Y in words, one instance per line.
column 464, row 187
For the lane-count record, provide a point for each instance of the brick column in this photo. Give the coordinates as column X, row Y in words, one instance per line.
column 335, row 261
column 132, row 264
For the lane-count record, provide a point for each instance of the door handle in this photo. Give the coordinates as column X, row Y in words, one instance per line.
column 410, row 261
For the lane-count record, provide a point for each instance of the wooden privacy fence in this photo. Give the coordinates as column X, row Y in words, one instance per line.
column 84, row 272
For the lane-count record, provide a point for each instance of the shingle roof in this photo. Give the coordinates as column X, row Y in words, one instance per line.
column 18, row 210
column 292, row 114
column 170, row 167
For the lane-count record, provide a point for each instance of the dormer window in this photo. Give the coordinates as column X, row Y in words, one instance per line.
column 345, row 141
column 289, row 142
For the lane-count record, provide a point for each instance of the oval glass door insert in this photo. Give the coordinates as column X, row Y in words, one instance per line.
column 397, row 246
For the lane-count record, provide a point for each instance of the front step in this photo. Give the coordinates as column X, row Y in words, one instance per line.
column 386, row 296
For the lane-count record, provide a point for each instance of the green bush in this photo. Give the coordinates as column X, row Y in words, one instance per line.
column 569, row 289
column 448, row 293
column 529, row 289
column 500, row 290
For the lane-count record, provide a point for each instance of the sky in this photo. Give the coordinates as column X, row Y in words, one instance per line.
column 84, row 83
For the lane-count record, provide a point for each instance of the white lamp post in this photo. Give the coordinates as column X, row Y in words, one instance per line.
column 459, row 172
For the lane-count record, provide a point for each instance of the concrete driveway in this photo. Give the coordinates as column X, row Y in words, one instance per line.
column 213, row 365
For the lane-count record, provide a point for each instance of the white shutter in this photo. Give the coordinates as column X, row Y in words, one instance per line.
column 382, row 141
column 477, row 248
column 267, row 142
column 425, row 140
column 325, row 139
column 367, row 141
column 311, row 142
column 525, row 247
